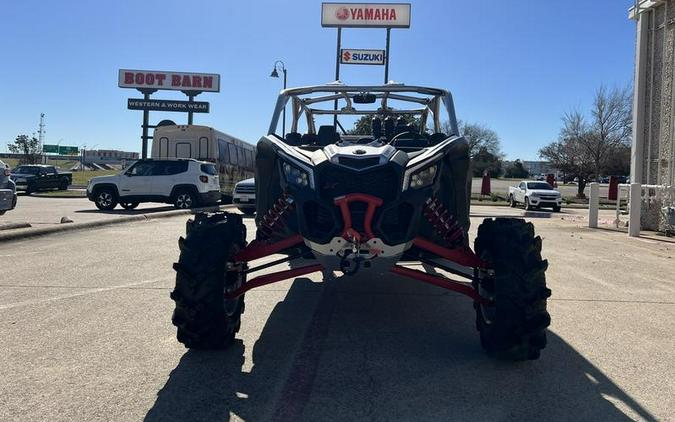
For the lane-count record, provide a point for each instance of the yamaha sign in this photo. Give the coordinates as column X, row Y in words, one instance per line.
column 365, row 15
column 351, row 56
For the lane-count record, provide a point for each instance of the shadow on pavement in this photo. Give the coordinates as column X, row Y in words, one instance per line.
column 384, row 349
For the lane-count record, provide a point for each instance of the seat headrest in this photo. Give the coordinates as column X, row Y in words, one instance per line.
column 327, row 135
column 294, row 139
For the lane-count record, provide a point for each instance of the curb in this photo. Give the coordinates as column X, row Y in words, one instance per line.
column 64, row 227
column 38, row 195
column 11, row 226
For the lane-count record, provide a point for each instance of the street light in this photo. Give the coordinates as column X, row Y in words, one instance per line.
column 275, row 74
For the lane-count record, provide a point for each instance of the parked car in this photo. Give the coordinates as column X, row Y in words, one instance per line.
column 7, row 189
column 243, row 196
column 534, row 194
column 35, row 177
column 185, row 183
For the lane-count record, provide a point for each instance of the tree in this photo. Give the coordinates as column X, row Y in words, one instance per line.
column 588, row 149
column 479, row 136
column 485, row 160
column 29, row 148
column 363, row 126
column 610, row 128
column 516, row 171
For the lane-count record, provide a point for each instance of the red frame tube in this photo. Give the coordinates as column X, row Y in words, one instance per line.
column 344, row 201
column 463, row 256
column 273, row 278
column 256, row 250
column 439, row 281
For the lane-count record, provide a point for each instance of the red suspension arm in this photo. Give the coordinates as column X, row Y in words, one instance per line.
column 439, row 281
column 273, row 278
column 462, row 256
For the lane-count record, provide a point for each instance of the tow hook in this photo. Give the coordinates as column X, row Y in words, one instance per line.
column 350, row 266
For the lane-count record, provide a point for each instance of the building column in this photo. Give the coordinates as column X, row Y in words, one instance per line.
column 640, row 86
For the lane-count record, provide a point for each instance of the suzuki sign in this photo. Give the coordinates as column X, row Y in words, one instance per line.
column 176, row 81
column 365, row 15
column 351, row 56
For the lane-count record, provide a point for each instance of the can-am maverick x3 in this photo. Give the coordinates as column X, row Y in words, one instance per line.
column 365, row 203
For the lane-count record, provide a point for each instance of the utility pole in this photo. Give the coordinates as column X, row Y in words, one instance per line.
column 41, row 133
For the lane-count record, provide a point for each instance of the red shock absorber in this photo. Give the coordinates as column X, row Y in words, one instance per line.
column 443, row 222
column 275, row 217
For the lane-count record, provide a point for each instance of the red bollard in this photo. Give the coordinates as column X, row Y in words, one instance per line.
column 485, row 186
column 613, row 188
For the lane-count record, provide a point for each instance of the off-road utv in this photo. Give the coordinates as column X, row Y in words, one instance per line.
column 379, row 202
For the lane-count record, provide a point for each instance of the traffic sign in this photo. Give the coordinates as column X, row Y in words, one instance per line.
column 60, row 149
column 68, row 150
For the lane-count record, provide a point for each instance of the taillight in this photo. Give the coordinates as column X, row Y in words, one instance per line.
column 204, row 179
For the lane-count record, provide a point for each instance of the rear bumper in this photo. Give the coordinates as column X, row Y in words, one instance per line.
column 209, row 198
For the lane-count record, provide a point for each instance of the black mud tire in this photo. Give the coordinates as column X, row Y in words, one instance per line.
column 528, row 207
column 514, row 327
column 105, row 199
column 512, row 202
column 556, row 209
column 64, row 184
column 129, row 205
column 204, row 319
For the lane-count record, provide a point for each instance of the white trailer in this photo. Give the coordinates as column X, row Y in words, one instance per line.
column 234, row 158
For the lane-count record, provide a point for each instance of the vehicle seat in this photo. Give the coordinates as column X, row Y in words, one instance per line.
column 408, row 144
column 294, row 139
column 327, row 136
column 309, row 139
column 437, row 138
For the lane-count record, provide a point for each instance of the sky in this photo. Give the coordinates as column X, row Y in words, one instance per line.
column 513, row 65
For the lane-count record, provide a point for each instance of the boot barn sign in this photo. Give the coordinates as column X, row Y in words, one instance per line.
column 365, row 15
column 176, row 81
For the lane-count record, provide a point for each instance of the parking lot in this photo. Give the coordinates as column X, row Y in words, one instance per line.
column 85, row 322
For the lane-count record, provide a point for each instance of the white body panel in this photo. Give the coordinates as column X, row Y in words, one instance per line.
column 234, row 158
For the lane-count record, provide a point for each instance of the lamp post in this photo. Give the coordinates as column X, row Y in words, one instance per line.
column 275, row 74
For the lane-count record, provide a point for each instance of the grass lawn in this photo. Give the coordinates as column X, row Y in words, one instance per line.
column 82, row 177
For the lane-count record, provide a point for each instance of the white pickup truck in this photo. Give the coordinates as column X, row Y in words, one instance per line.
column 533, row 194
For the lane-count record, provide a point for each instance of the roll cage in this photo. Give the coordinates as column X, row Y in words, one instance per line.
column 423, row 102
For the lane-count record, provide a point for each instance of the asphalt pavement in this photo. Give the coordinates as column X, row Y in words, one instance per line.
column 85, row 323
column 41, row 211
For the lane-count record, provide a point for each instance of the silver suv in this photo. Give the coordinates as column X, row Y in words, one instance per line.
column 7, row 189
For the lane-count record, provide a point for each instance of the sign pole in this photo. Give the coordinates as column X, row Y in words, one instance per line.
column 337, row 71
column 386, row 57
column 191, row 98
column 146, row 119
